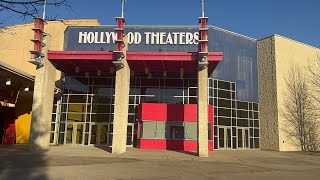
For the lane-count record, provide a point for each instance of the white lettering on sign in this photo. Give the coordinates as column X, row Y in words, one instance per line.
column 153, row 38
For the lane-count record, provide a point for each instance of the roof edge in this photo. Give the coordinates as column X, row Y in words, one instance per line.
column 16, row 71
column 50, row 21
column 302, row 43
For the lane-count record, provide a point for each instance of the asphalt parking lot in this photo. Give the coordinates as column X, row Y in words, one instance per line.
column 69, row 162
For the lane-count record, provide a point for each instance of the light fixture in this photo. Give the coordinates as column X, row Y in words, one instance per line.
column 99, row 73
column 165, row 73
column 8, row 81
column 77, row 69
column 87, row 75
column 26, row 88
column 111, row 70
column 181, row 73
column 204, row 59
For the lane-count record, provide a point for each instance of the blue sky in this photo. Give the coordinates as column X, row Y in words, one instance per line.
column 296, row 19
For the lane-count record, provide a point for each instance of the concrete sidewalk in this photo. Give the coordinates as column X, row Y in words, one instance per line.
column 69, row 162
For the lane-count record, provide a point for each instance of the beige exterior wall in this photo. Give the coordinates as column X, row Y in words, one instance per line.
column 15, row 42
column 288, row 52
column 275, row 56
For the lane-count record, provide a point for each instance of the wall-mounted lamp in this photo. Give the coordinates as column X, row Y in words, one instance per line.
column 146, row 70
column 27, row 89
column 165, row 73
column 111, row 70
column 8, row 82
column 181, row 73
column 77, row 69
column 99, row 73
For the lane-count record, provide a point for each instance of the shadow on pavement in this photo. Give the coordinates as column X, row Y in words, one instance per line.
column 17, row 162
column 105, row 148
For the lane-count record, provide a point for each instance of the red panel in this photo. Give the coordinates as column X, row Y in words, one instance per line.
column 9, row 135
column 203, row 22
column 39, row 23
column 153, row 112
column 175, row 112
column 119, row 46
column 210, row 145
column 178, row 145
column 138, row 61
column 190, row 113
column 80, row 55
column 203, row 35
column 171, row 112
column 203, row 47
column 38, row 34
column 210, row 112
column 120, row 22
column 153, row 144
column 120, row 35
column 131, row 56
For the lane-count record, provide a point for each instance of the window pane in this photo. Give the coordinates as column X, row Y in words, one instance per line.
column 77, row 99
column 224, row 121
column 224, row 94
column 223, row 85
column 242, row 105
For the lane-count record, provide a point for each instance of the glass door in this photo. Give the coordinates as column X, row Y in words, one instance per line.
column 69, row 134
column 243, row 138
column 78, row 133
column 246, row 138
column 228, row 138
column 99, row 134
column 74, row 134
column 225, row 138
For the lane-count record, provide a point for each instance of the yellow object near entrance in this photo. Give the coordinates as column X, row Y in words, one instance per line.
column 23, row 128
column 23, row 114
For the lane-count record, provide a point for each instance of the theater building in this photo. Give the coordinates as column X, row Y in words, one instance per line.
column 191, row 88
column 163, row 90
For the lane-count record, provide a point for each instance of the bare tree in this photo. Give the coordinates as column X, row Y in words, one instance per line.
column 27, row 8
column 314, row 79
column 314, row 76
column 299, row 110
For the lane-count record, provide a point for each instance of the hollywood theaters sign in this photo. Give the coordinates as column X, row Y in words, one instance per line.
column 140, row 38
column 153, row 38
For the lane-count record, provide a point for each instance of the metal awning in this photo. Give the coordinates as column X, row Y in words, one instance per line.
column 155, row 62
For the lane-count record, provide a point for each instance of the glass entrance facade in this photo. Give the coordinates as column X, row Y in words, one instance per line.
column 83, row 113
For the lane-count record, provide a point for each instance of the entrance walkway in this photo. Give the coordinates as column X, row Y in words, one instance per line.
column 69, row 162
